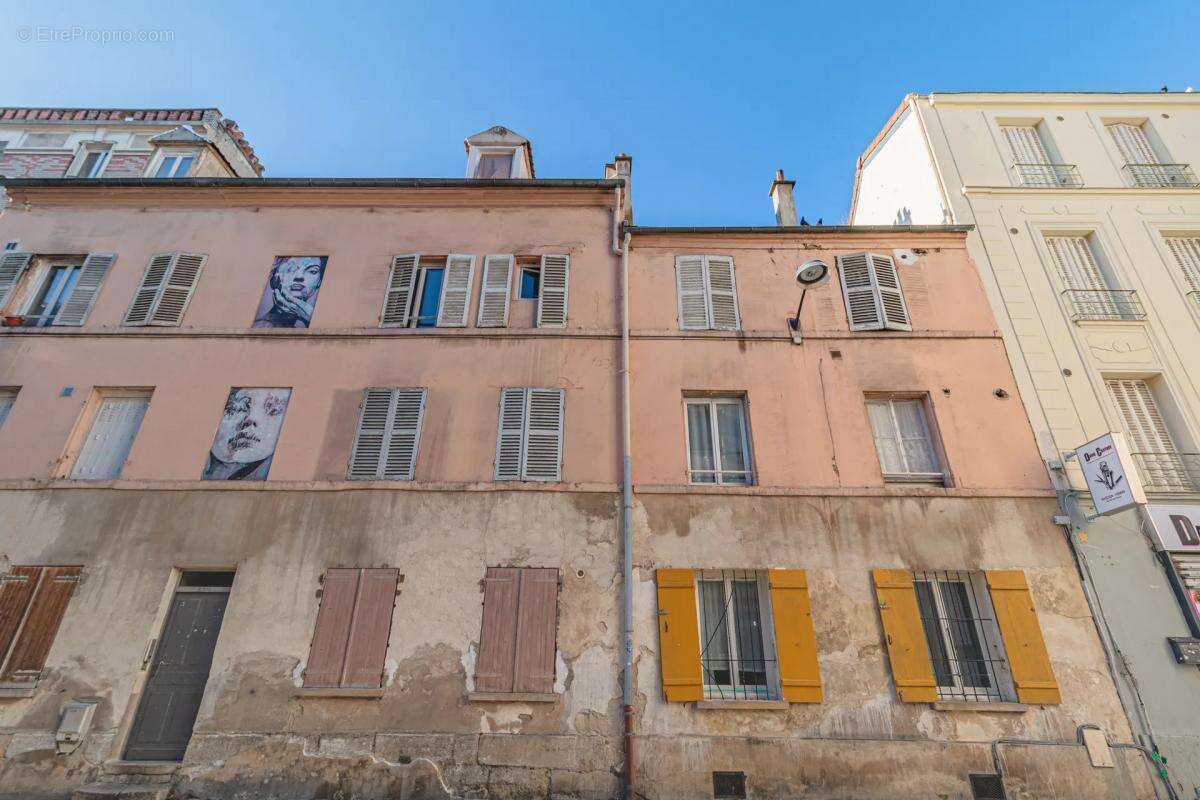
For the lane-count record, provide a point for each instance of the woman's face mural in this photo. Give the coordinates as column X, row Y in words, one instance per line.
column 291, row 294
column 247, row 434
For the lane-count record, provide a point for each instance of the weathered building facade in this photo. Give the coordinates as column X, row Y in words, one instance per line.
column 314, row 488
column 1086, row 210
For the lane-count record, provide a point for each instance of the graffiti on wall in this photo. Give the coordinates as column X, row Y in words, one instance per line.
column 246, row 435
column 290, row 297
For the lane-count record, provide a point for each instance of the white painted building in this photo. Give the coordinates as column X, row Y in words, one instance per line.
column 1086, row 210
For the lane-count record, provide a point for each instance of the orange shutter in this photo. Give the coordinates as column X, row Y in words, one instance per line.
column 679, row 636
column 912, row 669
column 1023, row 642
column 795, row 641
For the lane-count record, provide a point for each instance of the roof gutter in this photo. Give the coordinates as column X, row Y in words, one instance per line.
column 800, row 230
column 309, row 183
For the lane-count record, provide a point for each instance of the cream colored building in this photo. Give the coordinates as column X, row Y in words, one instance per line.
column 1086, row 210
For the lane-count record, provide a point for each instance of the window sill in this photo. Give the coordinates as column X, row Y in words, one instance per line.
column 512, row 697
column 985, row 707
column 742, row 705
column 925, row 480
column 339, row 692
column 15, row 691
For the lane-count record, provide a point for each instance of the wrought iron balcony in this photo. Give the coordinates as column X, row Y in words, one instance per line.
column 1162, row 176
column 1169, row 472
column 1048, row 175
column 1104, row 304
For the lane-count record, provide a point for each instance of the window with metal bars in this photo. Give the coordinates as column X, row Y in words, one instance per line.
column 963, row 638
column 737, row 649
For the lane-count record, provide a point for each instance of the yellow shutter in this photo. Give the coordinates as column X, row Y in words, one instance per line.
column 1023, row 642
column 679, row 636
column 795, row 642
column 912, row 670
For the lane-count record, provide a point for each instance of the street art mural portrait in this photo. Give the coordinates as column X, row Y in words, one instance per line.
column 247, row 434
column 291, row 294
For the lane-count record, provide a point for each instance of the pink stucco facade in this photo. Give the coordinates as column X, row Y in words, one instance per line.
column 818, row 502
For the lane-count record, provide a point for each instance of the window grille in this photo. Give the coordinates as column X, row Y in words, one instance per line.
column 737, row 656
column 962, row 636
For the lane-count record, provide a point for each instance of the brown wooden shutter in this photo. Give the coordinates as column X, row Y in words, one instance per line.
column 369, row 629
column 537, row 617
column 15, row 594
column 498, row 637
column 328, row 653
column 41, row 624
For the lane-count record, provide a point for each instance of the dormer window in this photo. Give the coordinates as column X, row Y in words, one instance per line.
column 175, row 165
column 495, row 164
column 91, row 160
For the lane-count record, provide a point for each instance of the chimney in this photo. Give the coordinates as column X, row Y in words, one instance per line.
column 781, row 198
column 622, row 167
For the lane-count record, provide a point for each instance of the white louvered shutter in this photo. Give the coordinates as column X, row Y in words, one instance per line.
column 146, row 297
column 398, row 298
column 1161, row 464
column 1026, row 144
column 456, row 291
column 1133, row 143
column 858, row 290
column 1186, row 250
column 891, row 294
column 404, row 436
column 722, row 293
column 510, row 435
column 692, row 294
column 12, row 265
column 552, row 295
column 494, row 291
column 373, row 420
column 76, row 307
column 178, row 290
column 110, row 439
column 1076, row 262
column 543, row 435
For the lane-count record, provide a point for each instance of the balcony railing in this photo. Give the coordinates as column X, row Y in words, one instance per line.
column 1169, row 472
column 1048, row 175
column 1162, row 176
column 1104, row 304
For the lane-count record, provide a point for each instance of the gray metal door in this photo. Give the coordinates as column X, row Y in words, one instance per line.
column 171, row 699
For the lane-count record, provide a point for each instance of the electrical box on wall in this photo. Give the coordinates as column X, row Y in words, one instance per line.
column 75, row 723
column 1186, row 649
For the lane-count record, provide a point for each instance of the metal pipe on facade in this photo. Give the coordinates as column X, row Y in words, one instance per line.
column 627, row 689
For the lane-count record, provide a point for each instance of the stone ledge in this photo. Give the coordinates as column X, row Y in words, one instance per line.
column 967, row 705
column 512, row 697
column 742, row 705
column 339, row 692
column 16, row 692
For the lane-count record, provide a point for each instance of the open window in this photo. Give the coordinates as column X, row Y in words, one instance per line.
column 427, row 291
column 39, row 291
column 91, row 160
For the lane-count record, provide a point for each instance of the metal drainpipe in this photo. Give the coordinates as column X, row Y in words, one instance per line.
column 627, row 689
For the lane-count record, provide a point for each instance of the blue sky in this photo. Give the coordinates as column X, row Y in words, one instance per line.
column 708, row 98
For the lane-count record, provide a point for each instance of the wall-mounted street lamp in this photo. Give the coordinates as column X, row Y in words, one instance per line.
column 808, row 274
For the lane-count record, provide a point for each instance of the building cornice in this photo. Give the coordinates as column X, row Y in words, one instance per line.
column 811, row 237
column 1085, row 191
column 1092, row 99
column 345, row 192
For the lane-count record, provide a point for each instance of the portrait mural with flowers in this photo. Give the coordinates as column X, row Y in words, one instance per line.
column 291, row 293
column 247, row 435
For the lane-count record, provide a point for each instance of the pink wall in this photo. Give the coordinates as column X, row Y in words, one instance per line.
column 805, row 405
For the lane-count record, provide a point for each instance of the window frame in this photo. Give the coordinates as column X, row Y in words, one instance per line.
column 103, row 149
column 484, row 152
column 988, row 637
column 178, row 156
column 766, row 623
column 712, row 401
column 925, row 403
column 414, row 316
column 35, row 296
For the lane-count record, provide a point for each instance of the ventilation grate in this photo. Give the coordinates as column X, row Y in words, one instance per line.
column 987, row 787
column 729, row 785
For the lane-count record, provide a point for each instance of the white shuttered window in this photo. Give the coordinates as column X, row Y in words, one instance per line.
column 707, row 293
column 12, row 266
column 1149, row 438
column 75, row 308
column 494, row 291
column 456, row 291
column 166, row 289
column 110, row 438
column 398, row 298
column 1026, row 144
column 1133, row 143
column 872, row 293
column 389, row 434
column 1076, row 262
column 1186, row 250
column 529, row 435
